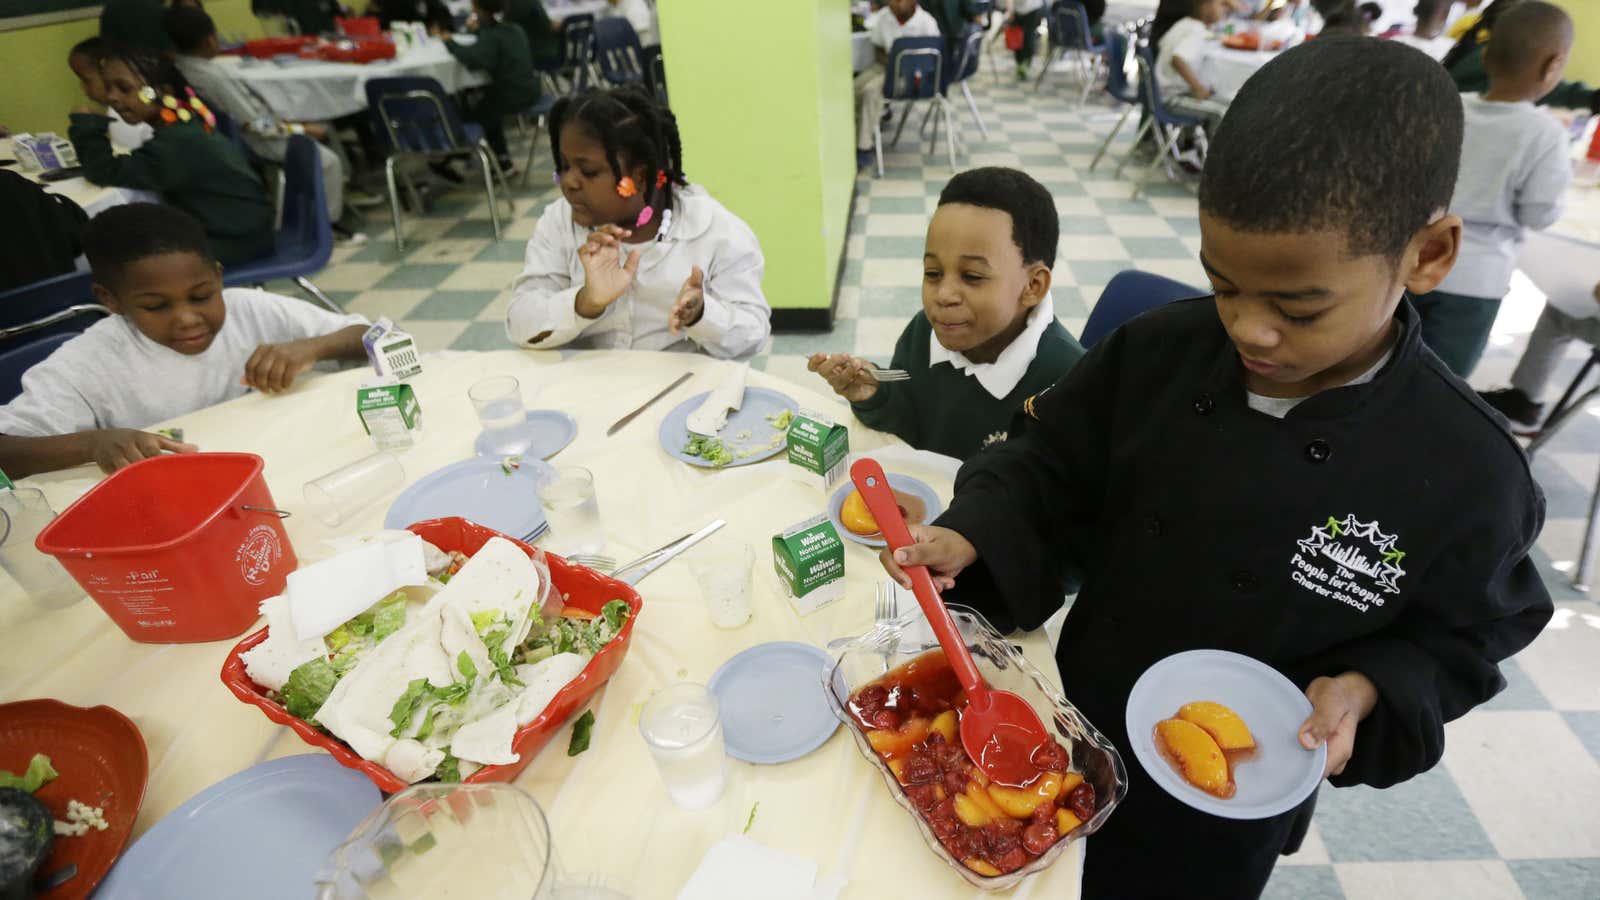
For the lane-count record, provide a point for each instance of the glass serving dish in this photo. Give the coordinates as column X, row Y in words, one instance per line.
column 896, row 642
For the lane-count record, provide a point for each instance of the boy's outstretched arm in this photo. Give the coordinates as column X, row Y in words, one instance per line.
column 109, row 448
column 272, row 368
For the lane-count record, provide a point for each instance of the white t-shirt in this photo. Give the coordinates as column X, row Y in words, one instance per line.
column 1023, row 7
column 128, row 137
column 642, row 17
column 1186, row 38
column 1513, row 176
column 112, row 376
column 1278, row 407
column 886, row 29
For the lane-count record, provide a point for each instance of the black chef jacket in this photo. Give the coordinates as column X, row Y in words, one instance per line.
column 1382, row 528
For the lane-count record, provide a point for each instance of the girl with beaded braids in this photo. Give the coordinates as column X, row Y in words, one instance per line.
column 192, row 167
column 632, row 255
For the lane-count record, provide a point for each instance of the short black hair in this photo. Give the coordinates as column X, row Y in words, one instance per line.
column 631, row 125
column 91, row 48
column 1526, row 34
column 188, row 26
column 1035, row 227
column 125, row 234
column 494, row 8
column 1354, row 134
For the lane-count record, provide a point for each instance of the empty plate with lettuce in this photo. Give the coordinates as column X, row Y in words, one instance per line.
column 733, row 425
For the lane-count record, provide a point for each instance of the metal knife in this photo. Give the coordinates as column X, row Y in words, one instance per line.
column 647, row 404
column 644, row 565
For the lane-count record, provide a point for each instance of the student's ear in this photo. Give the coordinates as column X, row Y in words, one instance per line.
column 1431, row 254
column 1037, row 286
column 1551, row 70
column 106, row 297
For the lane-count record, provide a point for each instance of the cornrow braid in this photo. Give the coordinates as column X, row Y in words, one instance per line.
column 633, row 128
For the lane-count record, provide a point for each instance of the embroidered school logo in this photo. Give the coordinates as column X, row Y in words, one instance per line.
column 1350, row 561
column 999, row 437
column 259, row 552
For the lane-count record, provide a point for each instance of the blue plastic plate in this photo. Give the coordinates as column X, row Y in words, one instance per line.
column 263, row 833
column 479, row 490
column 772, row 705
column 903, row 483
column 747, row 430
column 552, row 431
column 1281, row 773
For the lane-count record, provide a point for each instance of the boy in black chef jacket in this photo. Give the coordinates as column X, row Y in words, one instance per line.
column 1282, row 469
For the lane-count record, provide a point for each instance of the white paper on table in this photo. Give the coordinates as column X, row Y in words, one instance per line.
column 1565, row 270
column 735, row 864
column 326, row 594
column 728, row 396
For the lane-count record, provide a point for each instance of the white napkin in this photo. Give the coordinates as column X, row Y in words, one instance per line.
column 737, row 866
column 728, row 396
column 326, row 594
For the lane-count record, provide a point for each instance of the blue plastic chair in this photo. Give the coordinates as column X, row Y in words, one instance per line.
column 655, row 72
column 969, row 50
column 618, row 52
column 30, row 302
column 539, row 113
column 1130, row 294
column 419, row 120
column 304, row 241
column 1070, row 36
column 577, row 51
column 915, row 73
column 1165, row 123
column 1120, row 89
column 24, row 356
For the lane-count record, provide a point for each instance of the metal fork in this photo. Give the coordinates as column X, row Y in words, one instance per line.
column 884, row 606
column 885, row 375
column 594, row 561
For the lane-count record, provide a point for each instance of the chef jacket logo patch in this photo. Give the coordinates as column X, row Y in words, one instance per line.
column 1350, row 561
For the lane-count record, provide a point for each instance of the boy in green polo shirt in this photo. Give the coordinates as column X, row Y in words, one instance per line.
column 987, row 337
column 501, row 51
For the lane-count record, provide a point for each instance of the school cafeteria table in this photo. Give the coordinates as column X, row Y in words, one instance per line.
column 608, row 809
column 1227, row 70
column 315, row 91
column 90, row 197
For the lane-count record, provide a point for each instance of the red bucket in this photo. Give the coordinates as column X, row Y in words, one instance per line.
column 176, row 549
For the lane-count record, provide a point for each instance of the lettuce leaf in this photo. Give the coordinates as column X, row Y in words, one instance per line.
column 449, row 771
column 416, row 693
column 308, row 687
column 465, row 666
column 39, row 772
column 581, row 730
column 389, row 616
column 615, row 613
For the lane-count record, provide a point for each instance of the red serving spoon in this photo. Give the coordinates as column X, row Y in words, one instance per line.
column 999, row 730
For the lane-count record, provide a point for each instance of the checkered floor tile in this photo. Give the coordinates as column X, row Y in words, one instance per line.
column 1510, row 813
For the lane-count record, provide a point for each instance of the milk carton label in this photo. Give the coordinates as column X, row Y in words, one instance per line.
column 818, row 449
column 390, row 414
column 809, row 561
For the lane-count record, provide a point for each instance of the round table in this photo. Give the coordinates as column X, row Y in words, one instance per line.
column 1226, row 70
column 306, row 90
column 609, row 811
column 91, row 198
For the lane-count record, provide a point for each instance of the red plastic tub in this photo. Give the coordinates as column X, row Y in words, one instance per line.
column 354, row 50
column 362, row 26
column 268, row 47
column 176, row 549
column 581, row 588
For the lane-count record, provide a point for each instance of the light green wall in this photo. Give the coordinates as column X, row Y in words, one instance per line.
column 40, row 89
column 762, row 95
column 1584, row 63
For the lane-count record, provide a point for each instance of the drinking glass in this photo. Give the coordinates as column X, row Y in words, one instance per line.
column 683, row 728
column 24, row 512
column 498, row 402
column 485, row 841
column 573, row 511
column 345, row 491
column 722, row 566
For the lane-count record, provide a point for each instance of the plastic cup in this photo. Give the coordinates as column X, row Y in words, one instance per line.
column 722, row 566
column 683, row 729
column 573, row 511
column 498, row 403
column 24, row 512
column 337, row 496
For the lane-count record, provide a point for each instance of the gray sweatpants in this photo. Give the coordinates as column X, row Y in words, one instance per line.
column 1551, row 334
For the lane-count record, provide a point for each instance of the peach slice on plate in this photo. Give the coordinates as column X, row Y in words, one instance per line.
column 1195, row 755
column 1222, row 723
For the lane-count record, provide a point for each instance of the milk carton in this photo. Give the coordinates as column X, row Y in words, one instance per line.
column 809, row 561
column 390, row 414
column 392, row 352
column 819, row 449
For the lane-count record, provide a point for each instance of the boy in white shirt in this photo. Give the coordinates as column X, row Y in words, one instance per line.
column 1514, row 176
column 899, row 19
column 1178, row 63
column 177, row 343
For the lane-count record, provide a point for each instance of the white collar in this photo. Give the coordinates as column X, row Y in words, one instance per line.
column 1002, row 376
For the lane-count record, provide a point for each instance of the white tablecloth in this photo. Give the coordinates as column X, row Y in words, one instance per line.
column 861, row 51
column 310, row 90
column 91, row 198
column 1227, row 70
column 607, row 807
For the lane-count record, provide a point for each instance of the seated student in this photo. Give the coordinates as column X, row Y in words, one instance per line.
column 1260, row 471
column 195, row 36
column 178, row 342
column 1551, row 334
column 987, row 337
column 1514, row 176
column 1428, row 33
column 501, row 50
column 134, row 24
column 38, row 234
column 640, row 14
column 544, row 36
column 84, row 61
column 196, row 170
column 1340, row 17
column 1465, row 62
column 632, row 254
column 900, row 19
column 1178, row 59
column 432, row 13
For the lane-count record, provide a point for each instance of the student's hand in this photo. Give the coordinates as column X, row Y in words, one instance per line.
column 273, row 368
column 1597, row 293
column 314, row 131
column 1337, row 706
column 1203, row 92
column 113, row 448
column 850, row 378
column 605, row 275
column 691, row 303
column 943, row 551
column 435, row 30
